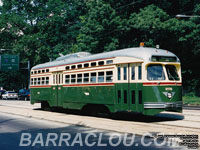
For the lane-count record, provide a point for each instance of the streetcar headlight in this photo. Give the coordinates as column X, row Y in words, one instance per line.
column 169, row 95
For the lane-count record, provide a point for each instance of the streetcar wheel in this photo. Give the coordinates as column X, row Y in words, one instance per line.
column 45, row 106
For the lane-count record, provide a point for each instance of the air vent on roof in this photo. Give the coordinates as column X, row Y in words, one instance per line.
column 75, row 55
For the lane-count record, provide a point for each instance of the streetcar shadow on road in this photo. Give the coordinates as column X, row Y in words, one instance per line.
column 161, row 117
column 148, row 119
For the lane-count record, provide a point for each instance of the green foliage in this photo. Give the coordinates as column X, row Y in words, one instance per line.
column 38, row 30
column 101, row 21
column 191, row 99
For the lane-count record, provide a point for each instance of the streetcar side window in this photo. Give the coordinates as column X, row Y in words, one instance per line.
column 73, row 67
column 100, row 63
column 39, row 71
column 47, row 70
column 100, row 76
column 93, row 64
column 86, row 65
column 79, row 66
column 59, row 79
column 31, row 81
column 119, row 73
column 67, row 68
column 79, row 78
column 38, row 81
column 54, row 79
column 86, row 78
column 93, row 77
column 139, row 72
column 125, row 73
column 67, row 79
column 73, row 78
column 109, row 76
column 43, row 71
column 47, row 80
column 133, row 72
column 109, row 62
column 35, row 81
column 43, row 80
column 35, row 72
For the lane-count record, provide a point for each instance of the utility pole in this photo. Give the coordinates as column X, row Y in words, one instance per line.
column 28, row 68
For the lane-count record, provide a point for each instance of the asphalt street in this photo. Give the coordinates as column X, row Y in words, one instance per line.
column 15, row 130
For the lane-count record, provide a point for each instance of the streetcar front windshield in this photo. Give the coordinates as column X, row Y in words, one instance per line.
column 172, row 72
column 155, row 72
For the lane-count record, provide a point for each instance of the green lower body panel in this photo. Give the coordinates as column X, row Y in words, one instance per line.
column 119, row 97
column 41, row 94
column 75, row 97
column 162, row 98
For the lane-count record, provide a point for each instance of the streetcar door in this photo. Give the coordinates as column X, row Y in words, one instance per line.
column 57, row 88
column 135, row 87
column 129, row 88
column 122, row 88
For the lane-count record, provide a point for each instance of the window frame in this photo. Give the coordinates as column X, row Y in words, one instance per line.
column 163, row 71
column 133, row 74
column 119, row 73
column 67, row 67
column 86, row 65
column 99, row 63
column 125, row 72
column 78, row 78
column 39, row 81
column 79, row 66
column 73, row 67
column 43, row 79
column 99, row 78
column 86, row 77
column 108, row 62
column 93, row 63
column 108, row 76
column 73, row 78
column 92, row 76
column 47, row 80
column 69, row 82
column 139, row 71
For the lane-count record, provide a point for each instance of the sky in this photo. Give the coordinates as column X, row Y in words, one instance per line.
column 1, row 3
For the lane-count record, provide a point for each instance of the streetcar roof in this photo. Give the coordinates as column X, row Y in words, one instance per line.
column 142, row 53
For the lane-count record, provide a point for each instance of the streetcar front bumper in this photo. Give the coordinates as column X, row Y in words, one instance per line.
column 161, row 105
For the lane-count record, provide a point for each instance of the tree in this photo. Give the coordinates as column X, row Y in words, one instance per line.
column 99, row 28
column 39, row 30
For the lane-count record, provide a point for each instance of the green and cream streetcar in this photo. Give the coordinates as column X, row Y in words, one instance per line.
column 141, row 80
